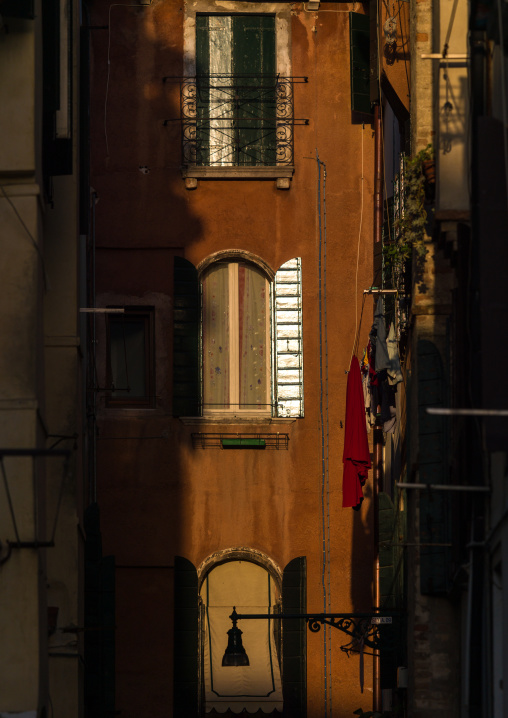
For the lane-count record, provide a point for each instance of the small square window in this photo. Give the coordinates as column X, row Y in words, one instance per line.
column 130, row 361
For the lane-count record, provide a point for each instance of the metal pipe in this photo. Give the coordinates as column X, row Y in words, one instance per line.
column 444, row 487
column 378, row 175
column 440, row 56
column 375, row 290
column 441, row 411
column 378, row 486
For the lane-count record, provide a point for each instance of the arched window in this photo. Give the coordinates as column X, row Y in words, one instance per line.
column 236, row 338
column 238, row 341
column 233, row 689
column 196, row 594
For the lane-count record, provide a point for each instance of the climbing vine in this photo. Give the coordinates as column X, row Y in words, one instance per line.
column 410, row 223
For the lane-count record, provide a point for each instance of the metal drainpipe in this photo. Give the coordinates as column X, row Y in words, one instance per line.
column 378, row 486
column 378, row 175
column 378, row 432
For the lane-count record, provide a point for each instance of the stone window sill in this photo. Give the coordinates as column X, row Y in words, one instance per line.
column 232, row 419
column 282, row 174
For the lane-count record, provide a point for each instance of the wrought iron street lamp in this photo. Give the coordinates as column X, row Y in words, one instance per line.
column 363, row 628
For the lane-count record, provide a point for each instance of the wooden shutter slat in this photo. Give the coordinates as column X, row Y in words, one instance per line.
column 186, row 344
column 294, row 639
column 359, row 36
column 186, row 647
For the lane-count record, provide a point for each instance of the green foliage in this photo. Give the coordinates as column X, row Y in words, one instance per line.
column 409, row 228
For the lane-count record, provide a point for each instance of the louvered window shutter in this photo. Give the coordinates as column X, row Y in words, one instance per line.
column 288, row 340
column 359, row 36
column 186, row 340
column 294, row 639
column 186, row 648
column 254, row 60
column 99, row 645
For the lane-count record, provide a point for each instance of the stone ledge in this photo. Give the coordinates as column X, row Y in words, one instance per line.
column 225, row 173
column 231, row 420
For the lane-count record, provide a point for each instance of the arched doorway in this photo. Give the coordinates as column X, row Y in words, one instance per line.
column 230, row 690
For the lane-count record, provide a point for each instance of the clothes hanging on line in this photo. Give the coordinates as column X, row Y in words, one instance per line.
column 393, row 370
column 381, row 373
column 356, row 456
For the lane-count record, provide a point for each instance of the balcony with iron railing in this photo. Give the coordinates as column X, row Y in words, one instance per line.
column 237, row 125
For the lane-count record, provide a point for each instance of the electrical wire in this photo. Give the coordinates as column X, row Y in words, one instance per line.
column 327, row 441
column 325, row 490
column 450, row 27
column 404, row 43
column 320, row 326
column 358, row 253
column 34, row 242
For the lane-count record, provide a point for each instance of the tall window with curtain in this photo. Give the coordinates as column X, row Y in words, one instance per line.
column 235, row 90
column 236, row 339
column 230, row 690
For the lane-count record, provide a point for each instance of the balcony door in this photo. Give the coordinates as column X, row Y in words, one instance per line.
column 236, row 89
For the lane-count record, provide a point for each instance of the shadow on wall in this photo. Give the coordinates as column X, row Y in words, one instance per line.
column 362, row 552
column 142, row 222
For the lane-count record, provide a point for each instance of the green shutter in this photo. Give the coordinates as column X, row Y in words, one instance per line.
column 359, row 36
column 99, row 641
column 294, row 639
column 433, row 469
column 236, row 89
column 254, row 54
column 186, row 344
column 186, row 646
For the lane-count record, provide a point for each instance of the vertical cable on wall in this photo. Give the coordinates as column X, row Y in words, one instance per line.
column 323, row 410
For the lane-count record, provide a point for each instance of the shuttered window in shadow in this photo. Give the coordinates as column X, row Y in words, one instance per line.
column 186, row 339
column 99, row 649
column 186, row 647
column 294, row 639
column 359, row 36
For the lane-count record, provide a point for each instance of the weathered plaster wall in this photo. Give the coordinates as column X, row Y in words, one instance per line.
column 422, row 74
column 433, row 622
column 22, row 646
column 39, row 374
column 159, row 497
column 452, row 112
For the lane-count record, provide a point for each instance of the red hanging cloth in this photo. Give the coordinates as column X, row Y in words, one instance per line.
column 356, row 457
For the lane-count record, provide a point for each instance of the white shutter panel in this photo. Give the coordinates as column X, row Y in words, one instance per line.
column 289, row 340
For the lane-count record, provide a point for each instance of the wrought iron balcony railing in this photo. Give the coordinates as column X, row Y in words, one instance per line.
column 237, row 120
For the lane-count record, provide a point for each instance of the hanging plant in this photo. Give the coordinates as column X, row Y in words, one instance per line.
column 410, row 225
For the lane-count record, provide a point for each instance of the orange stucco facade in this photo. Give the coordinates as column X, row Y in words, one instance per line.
column 159, row 496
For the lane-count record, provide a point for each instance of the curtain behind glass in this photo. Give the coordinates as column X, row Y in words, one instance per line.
column 216, row 338
column 251, row 589
column 253, row 338
column 127, row 357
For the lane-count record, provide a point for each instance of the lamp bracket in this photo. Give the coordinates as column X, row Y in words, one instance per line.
column 364, row 627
